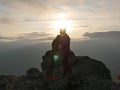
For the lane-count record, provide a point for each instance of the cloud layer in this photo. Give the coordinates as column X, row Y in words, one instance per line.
column 33, row 36
column 104, row 35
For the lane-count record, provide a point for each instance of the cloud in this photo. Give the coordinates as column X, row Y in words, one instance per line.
column 42, row 7
column 5, row 20
column 30, row 15
column 28, row 36
column 46, row 39
column 9, row 38
column 105, row 35
column 1, row 37
column 84, row 26
column 28, row 6
column 35, row 34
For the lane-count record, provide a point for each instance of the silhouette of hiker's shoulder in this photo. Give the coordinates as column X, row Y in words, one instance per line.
column 58, row 36
column 67, row 35
column 56, row 39
column 56, row 43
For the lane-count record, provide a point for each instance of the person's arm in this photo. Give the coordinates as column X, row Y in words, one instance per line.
column 66, row 45
column 55, row 43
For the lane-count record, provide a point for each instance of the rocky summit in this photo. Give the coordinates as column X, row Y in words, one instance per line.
column 87, row 74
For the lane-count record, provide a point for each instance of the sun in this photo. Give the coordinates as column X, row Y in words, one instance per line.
column 61, row 24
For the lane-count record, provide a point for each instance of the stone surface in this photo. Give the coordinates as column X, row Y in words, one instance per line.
column 33, row 73
column 83, row 66
column 7, row 82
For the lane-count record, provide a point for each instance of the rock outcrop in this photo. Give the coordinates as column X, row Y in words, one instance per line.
column 87, row 74
column 33, row 73
column 7, row 82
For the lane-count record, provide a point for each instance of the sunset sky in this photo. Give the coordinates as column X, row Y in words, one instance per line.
column 28, row 27
column 18, row 17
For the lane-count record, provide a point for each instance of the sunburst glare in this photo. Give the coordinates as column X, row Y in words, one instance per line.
column 57, row 25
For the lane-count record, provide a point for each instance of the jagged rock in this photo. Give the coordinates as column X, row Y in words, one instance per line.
column 32, row 81
column 90, row 69
column 7, row 82
column 119, row 83
column 3, row 83
column 98, row 85
column 30, row 84
column 33, row 73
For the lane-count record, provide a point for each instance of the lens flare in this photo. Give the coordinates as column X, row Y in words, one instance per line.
column 56, row 58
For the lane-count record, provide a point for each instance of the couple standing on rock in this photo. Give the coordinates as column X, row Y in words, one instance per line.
column 61, row 50
column 61, row 45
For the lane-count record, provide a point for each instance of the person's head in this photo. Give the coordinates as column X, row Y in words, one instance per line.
column 62, row 31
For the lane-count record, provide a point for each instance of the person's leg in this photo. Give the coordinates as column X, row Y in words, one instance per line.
column 67, row 68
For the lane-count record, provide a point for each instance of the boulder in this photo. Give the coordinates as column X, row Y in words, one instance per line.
column 7, row 82
column 33, row 73
column 83, row 66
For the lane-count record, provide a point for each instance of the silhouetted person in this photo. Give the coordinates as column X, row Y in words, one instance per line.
column 61, row 45
column 56, row 44
column 55, row 51
column 65, row 51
